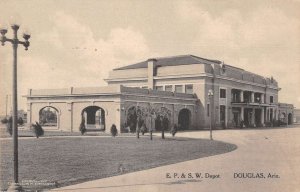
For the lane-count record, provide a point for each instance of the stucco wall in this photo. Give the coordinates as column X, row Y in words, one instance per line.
column 128, row 73
column 64, row 121
column 180, row 70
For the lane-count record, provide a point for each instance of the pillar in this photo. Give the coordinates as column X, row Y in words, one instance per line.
column 242, row 96
column 70, row 110
column 262, row 98
column 29, row 114
column 262, row 117
column 252, row 97
column 242, row 113
column 228, row 116
column 253, row 117
column 117, row 118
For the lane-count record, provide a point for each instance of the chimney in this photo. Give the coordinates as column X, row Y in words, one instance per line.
column 151, row 72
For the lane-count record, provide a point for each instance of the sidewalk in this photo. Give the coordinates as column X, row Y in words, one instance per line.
column 274, row 151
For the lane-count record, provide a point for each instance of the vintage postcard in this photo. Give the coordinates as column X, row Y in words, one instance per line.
column 128, row 95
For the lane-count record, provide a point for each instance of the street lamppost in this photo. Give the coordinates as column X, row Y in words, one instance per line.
column 210, row 95
column 15, row 42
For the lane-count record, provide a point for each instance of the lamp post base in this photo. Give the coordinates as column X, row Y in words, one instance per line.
column 14, row 187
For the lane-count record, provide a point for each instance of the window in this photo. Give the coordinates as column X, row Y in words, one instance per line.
column 208, row 110
column 168, row 88
column 159, row 88
column 222, row 93
column 189, row 89
column 271, row 99
column 178, row 88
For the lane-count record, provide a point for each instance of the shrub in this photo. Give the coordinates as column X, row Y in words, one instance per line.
column 281, row 122
column 82, row 128
column 268, row 124
column 37, row 129
column 9, row 126
column 275, row 123
column 242, row 124
column 143, row 129
column 174, row 130
column 4, row 120
column 113, row 130
column 20, row 121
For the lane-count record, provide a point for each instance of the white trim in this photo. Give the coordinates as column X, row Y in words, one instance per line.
column 183, row 76
column 155, row 102
column 127, row 79
column 246, row 82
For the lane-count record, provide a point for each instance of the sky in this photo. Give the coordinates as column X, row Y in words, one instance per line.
column 77, row 42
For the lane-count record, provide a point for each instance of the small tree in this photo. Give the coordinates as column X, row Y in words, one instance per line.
column 82, row 128
column 20, row 121
column 139, row 125
column 113, row 130
column 165, row 125
column 9, row 126
column 144, row 129
column 242, row 124
column 4, row 120
column 174, row 130
column 37, row 129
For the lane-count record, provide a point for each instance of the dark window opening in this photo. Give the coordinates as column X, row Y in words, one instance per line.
column 271, row 99
column 222, row 93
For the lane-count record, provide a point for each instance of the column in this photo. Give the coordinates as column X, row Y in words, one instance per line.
column 228, row 116
column 262, row 117
column 252, row 97
column 253, row 117
column 29, row 115
column 70, row 114
column 262, row 98
column 242, row 96
column 242, row 113
column 118, row 114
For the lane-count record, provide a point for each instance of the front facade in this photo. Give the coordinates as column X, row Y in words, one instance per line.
column 177, row 86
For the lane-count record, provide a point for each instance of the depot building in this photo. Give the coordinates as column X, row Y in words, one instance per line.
column 190, row 91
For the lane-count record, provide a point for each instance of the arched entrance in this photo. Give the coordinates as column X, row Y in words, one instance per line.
column 131, row 119
column 290, row 119
column 48, row 117
column 282, row 117
column 184, row 119
column 94, row 118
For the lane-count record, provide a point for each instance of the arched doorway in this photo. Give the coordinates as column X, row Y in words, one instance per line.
column 131, row 119
column 290, row 119
column 48, row 117
column 282, row 117
column 94, row 118
column 184, row 119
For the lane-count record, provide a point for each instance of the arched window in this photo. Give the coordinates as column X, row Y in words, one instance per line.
column 48, row 117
